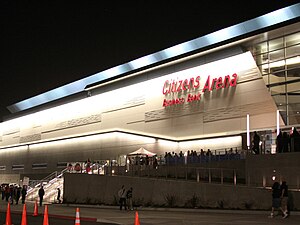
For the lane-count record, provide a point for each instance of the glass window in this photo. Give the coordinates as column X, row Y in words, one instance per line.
column 276, row 44
column 279, row 89
column 279, row 63
column 261, row 59
column 276, row 55
column 294, row 87
column 294, row 107
column 293, row 51
column 277, row 66
column 277, row 77
column 294, row 100
column 294, row 118
column 260, row 48
column 293, row 64
column 280, row 101
column 292, row 39
column 293, row 72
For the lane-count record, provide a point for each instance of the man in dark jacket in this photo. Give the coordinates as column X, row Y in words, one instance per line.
column 276, row 200
column 256, row 140
column 24, row 193
column 41, row 195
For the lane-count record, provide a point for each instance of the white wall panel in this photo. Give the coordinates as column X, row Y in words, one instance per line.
column 126, row 108
column 138, row 109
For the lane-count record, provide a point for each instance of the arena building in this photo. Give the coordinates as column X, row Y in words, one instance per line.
column 212, row 93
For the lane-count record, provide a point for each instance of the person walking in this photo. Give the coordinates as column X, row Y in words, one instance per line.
column 24, row 193
column 129, row 198
column 58, row 195
column 41, row 195
column 122, row 196
column 276, row 199
column 284, row 198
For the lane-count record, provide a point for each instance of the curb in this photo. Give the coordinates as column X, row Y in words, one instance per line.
column 225, row 211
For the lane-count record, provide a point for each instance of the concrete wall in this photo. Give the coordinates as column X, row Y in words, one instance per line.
column 9, row 178
column 283, row 166
column 95, row 189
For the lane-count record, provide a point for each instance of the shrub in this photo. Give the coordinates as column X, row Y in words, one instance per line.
column 171, row 200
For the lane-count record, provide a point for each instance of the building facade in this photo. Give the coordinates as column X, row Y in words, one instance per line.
column 209, row 93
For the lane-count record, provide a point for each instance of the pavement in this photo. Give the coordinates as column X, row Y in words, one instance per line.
column 150, row 216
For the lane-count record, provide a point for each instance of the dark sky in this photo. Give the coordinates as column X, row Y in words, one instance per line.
column 46, row 44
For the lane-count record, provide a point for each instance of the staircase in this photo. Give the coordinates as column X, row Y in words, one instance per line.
column 50, row 184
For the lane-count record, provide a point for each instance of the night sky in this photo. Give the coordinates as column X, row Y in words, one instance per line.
column 46, row 44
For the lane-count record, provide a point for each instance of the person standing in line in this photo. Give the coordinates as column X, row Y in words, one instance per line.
column 122, row 196
column 41, row 195
column 256, row 141
column 295, row 140
column 24, row 193
column 3, row 191
column 276, row 199
column 284, row 198
column 58, row 195
column 7, row 193
column 11, row 194
column 285, row 142
column 129, row 198
column 279, row 145
column 18, row 194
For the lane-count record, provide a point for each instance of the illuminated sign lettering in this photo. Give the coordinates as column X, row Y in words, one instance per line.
column 179, row 87
column 174, row 86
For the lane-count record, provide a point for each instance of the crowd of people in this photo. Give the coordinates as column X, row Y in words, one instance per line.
column 288, row 142
column 203, row 156
column 284, row 143
column 12, row 193
column 143, row 160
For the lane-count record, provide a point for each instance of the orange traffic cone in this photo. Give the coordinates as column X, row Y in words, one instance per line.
column 46, row 220
column 8, row 216
column 36, row 209
column 24, row 216
column 136, row 220
column 77, row 219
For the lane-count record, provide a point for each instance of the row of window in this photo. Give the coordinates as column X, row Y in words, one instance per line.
column 275, row 44
column 35, row 166
column 279, row 62
column 272, row 57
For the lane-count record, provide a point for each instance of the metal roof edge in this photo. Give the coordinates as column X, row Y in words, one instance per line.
column 238, row 30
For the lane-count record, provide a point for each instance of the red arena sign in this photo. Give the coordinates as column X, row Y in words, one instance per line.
column 178, row 86
column 174, row 86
